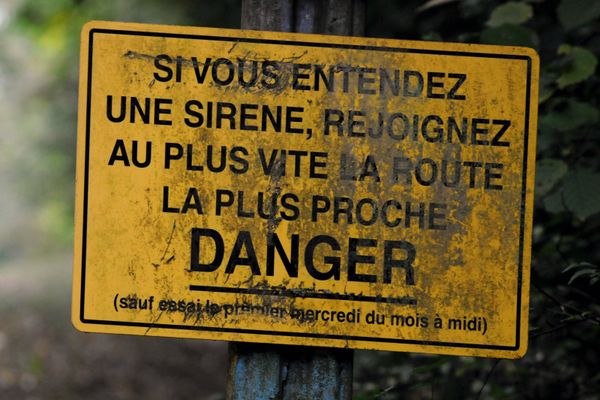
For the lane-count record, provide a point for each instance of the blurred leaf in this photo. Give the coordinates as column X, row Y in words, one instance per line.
column 545, row 94
column 36, row 365
column 584, row 269
column 545, row 142
column 510, row 35
column 573, row 13
column 579, row 265
column 432, row 36
column 433, row 3
column 54, row 37
column 548, row 173
column 548, row 79
column 569, row 115
column 510, row 13
column 582, row 194
column 581, row 65
column 553, row 203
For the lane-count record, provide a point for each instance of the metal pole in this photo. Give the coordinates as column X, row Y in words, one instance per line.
column 272, row 372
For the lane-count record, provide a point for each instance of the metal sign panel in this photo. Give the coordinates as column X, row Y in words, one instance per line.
column 304, row 189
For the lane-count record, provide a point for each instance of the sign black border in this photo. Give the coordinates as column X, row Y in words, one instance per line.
column 528, row 61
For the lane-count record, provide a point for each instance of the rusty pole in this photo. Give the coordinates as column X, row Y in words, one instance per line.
column 260, row 371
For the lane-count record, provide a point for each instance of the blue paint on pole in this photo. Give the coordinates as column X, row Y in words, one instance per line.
column 271, row 372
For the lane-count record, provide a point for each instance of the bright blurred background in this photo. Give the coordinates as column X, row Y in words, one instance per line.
column 43, row 357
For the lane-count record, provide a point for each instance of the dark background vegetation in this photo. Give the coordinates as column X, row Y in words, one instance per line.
column 42, row 357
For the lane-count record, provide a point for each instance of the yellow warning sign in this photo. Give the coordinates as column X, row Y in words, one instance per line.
column 304, row 189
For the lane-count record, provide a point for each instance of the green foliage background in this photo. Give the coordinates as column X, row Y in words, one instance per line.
column 39, row 68
column 563, row 357
column 38, row 102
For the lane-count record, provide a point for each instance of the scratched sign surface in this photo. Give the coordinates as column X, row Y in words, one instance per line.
column 304, row 189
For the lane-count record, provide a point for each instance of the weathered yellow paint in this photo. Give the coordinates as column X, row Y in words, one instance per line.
column 473, row 265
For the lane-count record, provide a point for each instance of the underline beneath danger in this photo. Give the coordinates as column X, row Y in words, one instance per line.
column 302, row 293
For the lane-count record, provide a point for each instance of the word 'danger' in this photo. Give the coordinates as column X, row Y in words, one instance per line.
column 302, row 189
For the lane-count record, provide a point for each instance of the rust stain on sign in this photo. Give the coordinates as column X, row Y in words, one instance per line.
column 304, row 189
